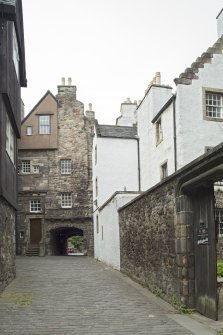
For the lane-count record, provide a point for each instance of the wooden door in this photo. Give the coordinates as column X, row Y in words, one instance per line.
column 35, row 230
column 205, row 252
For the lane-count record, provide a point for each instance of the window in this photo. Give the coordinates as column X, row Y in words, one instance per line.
column 21, row 235
column 15, row 53
column 29, row 130
column 159, row 132
column 10, row 140
column 213, row 105
column 26, row 167
column 35, row 206
column 65, row 166
column 219, row 220
column 97, row 224
column 96, row 187
column 66, row 200
column 44, row 124
column 35, row 168
column 164, row 172
column 95, row 155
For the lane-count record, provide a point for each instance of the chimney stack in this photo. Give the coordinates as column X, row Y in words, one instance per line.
column 64, row 89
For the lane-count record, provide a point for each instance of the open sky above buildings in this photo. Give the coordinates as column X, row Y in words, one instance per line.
column 112, row 48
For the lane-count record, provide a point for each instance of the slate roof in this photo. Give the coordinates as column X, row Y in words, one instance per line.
column 116, row 131
column 8, row 2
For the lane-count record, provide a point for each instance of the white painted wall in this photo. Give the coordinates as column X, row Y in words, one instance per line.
column 108, row 249
column 116, row 168
column 220, row 23
column 152, row 155
column 193, row 131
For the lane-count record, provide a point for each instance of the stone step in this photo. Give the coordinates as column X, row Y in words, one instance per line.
column 33, row 250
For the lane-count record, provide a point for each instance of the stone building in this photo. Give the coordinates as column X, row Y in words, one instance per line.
column 55, row 174
column 12, row 78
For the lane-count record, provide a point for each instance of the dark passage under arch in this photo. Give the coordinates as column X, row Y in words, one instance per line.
column 59, row 239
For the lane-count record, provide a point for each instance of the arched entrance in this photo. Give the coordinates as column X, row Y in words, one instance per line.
column 59, row 239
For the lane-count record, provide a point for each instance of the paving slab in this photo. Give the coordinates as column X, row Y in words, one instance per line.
column 67, row 295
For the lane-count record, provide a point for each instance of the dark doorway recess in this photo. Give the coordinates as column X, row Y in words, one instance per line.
column 35, row 231
column 59, row 238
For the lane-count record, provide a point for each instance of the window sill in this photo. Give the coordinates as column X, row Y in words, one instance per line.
column 216, row 119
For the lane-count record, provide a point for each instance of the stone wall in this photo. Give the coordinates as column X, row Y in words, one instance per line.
column 147, row 234
column 156, row 242
column 7, row 244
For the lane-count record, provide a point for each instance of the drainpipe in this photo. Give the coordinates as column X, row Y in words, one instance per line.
column 174, row 133
column 139, row 172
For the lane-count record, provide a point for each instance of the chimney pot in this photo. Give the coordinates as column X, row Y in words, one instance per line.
column 158, row 78
column 63, row 81
column 69, row 81
column 90, row 107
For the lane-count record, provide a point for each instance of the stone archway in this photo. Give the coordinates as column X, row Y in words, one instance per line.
column 59, row 237
column 57, row 233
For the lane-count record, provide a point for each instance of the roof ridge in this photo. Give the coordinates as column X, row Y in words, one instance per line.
column 186, row 77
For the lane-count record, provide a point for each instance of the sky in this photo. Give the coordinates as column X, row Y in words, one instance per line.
column 112, row 48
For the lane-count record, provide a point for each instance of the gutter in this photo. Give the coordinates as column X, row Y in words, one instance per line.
column 174, row 133
column 139, row 169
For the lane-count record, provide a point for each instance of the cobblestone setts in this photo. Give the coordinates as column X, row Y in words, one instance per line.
column 78, row 295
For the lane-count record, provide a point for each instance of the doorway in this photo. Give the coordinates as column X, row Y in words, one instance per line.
column 35, row 231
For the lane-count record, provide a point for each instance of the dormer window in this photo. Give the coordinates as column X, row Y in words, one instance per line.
column 44, row 124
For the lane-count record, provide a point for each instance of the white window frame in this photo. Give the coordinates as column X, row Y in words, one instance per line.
column 10, row 140
column 65, row 166
column 66, row 200
column 44, row 124
column 29, row 130
column 214, row 104
column 15, row 52
column 26, row 167
column 35, row 206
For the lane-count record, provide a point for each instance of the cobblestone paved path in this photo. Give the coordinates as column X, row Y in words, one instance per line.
column 78, row 295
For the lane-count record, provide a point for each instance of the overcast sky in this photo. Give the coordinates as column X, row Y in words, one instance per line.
column 112, row 48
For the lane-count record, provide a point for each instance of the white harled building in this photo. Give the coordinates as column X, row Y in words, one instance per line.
column 115, row 180
column 168, row 129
